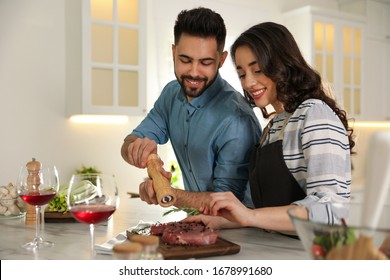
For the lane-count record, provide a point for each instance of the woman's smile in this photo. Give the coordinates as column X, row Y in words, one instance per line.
column 258, row 93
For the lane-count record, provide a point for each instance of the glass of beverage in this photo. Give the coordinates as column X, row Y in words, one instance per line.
column 37, row 185
column 92, row 199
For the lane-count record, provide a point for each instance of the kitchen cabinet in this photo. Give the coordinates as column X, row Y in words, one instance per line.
column 332, row 43
column 377, row 51
column 377, row 73
column 378, row 18
column 105, row 57
column 377, row 67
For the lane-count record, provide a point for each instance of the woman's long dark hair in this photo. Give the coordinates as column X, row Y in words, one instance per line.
column 280, row 59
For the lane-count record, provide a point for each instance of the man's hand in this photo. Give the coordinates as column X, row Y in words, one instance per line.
column 136, row 150
column 146, row 189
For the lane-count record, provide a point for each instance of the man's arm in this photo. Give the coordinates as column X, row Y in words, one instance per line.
column 191, row 199
column 183, row 198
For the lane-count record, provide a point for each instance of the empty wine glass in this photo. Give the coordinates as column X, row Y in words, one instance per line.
column 92, row 199
column 37, row 185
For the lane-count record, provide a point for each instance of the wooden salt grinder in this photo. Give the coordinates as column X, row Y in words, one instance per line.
column 162, row 187
column 33, row 182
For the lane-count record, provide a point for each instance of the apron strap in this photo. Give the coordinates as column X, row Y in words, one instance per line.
column 265, row 133
column 281, row 134
column 267, row 128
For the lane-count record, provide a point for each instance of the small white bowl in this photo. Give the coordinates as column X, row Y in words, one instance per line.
column 12, row 208
column 127, row 250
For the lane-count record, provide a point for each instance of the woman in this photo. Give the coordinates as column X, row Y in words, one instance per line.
column 303, row 157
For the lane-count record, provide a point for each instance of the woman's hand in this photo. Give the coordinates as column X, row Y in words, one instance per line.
column 224, row 210
column 225, row 204
column 214, row 222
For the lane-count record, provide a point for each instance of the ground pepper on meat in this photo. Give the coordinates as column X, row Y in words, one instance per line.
column 182, row 233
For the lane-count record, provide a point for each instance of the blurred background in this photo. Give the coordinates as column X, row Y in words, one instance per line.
column 60, row 58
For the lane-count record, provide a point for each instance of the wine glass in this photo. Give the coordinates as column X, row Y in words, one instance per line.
column 92, row 199
column 37, row 186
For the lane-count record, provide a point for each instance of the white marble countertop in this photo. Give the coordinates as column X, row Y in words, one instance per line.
column 72, row 239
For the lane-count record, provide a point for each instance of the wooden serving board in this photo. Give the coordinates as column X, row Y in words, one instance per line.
column 176, row 252
column 57, row 217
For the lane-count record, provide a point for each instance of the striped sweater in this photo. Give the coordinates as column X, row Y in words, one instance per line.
column 317, row 153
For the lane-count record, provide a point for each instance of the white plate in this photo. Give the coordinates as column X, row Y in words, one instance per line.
column 21, row 215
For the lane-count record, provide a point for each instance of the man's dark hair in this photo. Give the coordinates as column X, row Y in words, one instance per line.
column 201, row 22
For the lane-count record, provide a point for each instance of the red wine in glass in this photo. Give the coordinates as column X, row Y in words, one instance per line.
column 92, row 214
column 92, row 199
column 37, row 198
column 37, row 185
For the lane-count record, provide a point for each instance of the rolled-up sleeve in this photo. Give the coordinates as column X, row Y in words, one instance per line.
column 326, row 208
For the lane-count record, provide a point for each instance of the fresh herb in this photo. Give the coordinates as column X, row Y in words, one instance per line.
column 58, row 203
column 88, row 170
column 177, row 178
column 144, row 229
column 141, row 231
column 189, row 210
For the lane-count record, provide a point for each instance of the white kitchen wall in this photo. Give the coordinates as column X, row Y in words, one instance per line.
column 32, row 83
column 362, row 138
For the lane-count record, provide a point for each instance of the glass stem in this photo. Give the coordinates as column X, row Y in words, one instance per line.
column 92, row 233
column 37, row 223
column 42, row 217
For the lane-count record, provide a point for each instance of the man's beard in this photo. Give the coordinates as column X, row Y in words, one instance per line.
column 195, row 92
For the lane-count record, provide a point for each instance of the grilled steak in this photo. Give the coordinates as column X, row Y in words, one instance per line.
column 181, row 233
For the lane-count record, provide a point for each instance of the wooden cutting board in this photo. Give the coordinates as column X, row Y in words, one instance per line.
column 57, row 217
column 177, row 252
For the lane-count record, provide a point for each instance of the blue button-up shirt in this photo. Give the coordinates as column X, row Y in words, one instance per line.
column 212, row 136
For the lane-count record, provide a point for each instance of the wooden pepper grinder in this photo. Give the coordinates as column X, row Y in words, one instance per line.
column 164, row 191
column 33, row 182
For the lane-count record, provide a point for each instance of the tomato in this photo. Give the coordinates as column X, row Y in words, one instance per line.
column 317, row 252
column 385, row 251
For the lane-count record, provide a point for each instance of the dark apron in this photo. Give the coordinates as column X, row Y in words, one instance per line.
column 271, row 182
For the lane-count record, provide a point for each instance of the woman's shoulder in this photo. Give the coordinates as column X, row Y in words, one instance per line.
column 315, row 112
column 310, row 103
column 314, row 107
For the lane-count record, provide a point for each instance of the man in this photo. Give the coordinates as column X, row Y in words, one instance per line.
column 211, row 127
